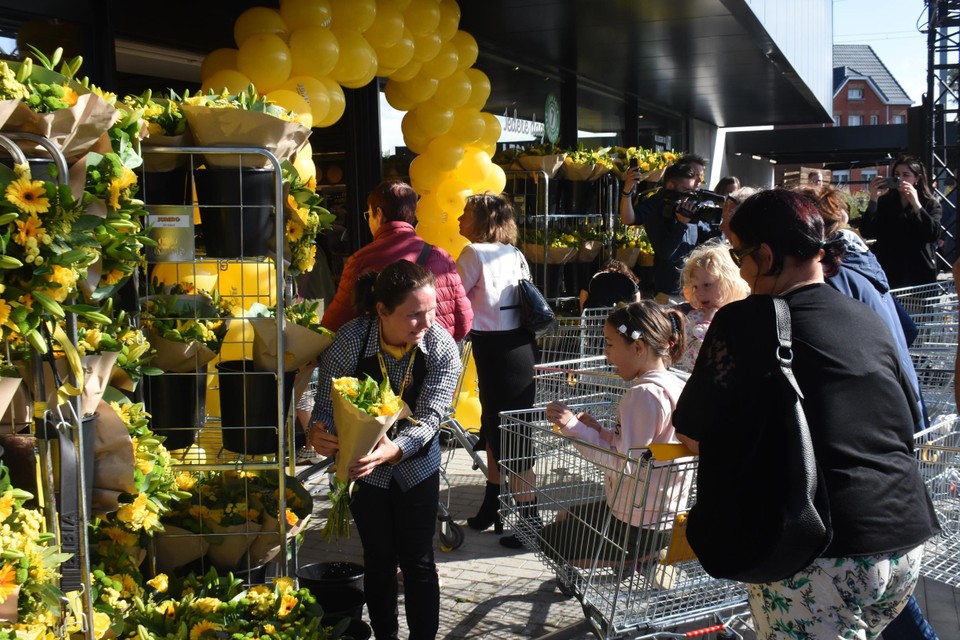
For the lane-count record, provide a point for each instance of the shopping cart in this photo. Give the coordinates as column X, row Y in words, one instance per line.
column 628, row 585
column 925, row 298
column 575, row 337
column 938, row 454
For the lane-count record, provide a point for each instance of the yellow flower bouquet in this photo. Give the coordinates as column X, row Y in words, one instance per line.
column 363, row 412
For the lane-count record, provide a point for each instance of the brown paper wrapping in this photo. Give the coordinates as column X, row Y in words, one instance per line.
column 8, row 389
column 301, row 345
column 236, row 127
column 588, row 250
column 80, row 128
column 549, row 164
column 162, row 162
column 358, row 432
column 177, row 547
column 178, row 357
column 628, row 255
column 552, row 255
column 227, row 553
column 114, row 460
column 96, row 375
column 8, row 609
column 266, row 546
column 15, row 115
column 583, row 172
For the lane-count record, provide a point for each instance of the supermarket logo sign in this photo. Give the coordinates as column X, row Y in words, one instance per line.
column 515, row 124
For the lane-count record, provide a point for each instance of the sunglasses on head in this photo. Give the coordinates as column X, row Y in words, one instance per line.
column 737, row 255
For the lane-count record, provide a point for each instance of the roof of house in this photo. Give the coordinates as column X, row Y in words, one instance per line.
column 859, row 60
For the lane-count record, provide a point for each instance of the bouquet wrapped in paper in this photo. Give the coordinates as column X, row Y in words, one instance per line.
column 363, row 412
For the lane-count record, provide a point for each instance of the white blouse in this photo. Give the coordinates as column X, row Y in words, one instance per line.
column 490, row 272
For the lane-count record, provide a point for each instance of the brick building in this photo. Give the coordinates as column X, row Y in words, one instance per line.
column 865, row 93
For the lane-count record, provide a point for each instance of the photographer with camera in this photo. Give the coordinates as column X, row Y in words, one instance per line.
column 905, row 221
column 673, row 217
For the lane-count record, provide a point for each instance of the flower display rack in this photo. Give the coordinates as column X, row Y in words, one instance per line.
column 219, row 224
column 565, row 227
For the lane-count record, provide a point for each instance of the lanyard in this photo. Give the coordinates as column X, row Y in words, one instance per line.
column 407, row 377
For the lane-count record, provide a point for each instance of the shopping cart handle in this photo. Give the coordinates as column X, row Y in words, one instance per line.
column 663, row 452
column 705, row 631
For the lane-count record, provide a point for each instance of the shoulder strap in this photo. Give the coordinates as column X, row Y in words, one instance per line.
column 785, row 340
column 424, row 253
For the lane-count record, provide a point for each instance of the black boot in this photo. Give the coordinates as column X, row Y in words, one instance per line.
column 489, row 513
column 529, row 524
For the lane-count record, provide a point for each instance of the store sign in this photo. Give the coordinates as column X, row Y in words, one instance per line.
column 172, row 229
column 516, row 124
column 551, row 118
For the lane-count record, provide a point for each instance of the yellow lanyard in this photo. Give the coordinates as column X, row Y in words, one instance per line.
column 407, row 377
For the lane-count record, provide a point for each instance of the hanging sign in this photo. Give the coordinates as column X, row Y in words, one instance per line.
column 551, row 118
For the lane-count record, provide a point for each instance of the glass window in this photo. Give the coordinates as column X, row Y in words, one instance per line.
column 854, row 94
column 899, row 119
column 854, row 120
column 836, row 121
column 867, row 175
column 840, row 178
column 874, row 119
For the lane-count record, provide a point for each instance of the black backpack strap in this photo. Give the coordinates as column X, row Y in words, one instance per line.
column 424, row 253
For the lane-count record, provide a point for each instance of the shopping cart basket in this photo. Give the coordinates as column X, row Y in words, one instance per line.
column 575, row 337
column 938, row 454
column 925, row 298
column 628, row 585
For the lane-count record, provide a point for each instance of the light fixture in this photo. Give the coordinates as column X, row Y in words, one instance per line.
column 756, row 157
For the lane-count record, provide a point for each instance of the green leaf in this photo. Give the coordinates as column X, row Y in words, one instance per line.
column 48, row 303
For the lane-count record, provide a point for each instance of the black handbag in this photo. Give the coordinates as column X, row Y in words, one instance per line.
column 762, row 512
column 536, row 316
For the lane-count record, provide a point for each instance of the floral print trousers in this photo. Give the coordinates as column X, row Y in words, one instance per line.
column 848, row 598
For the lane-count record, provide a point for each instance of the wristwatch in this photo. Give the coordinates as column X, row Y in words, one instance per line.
column 626, row 194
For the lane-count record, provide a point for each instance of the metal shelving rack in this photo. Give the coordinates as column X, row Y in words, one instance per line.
column 211, row 455
column 540, row 208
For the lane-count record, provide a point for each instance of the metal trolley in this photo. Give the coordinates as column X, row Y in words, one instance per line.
column 631, row 582
column 938, row 454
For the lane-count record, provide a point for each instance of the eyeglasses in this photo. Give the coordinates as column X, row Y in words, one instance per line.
column 737, row 255
column 366, row 214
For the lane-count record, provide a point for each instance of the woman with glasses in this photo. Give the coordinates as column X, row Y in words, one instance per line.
column 859, row 408
column 391, row 215
column 905, row 221
column 505, row 353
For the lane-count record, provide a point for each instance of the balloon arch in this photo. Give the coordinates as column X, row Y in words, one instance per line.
column 302, row 55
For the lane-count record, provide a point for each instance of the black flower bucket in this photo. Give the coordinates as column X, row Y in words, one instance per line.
column 248, row 406
column 165, row 187
column 177, row 404
column 236, row 211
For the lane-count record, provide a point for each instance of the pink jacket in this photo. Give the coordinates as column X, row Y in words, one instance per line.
column 399, row 241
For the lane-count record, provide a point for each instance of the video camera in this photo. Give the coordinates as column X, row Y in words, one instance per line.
column 699, row 206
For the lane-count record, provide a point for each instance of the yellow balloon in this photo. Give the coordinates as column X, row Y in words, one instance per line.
column 414, row 137
column 387, row 28
column 490, row 151
column 399, row 5
column 230, row 79
column 424, row 175
column 338, row 103
column 452, row 196
column 434, row 119
column 315, row 51
column 407, row 72
column 449, row 19
column 473, row 169
column 496, row 179
column 353, row 14
column 357, row 57
column 259, row 20
column 422, row 17
column 305, row 166
column 443, row 64
column 314, row 92
column 363, row 80
column 217, row 60
column 468, row 125
column 428, row 209
column 426, row 46
column 453, row 91
column 305, row 13
column 467, row 49
column 294, row 102
column 397, row 55
column 445, row 152
column 419, row 89
column 480, row 92
column 265, row 59
column 396, row 98
column 492, row 130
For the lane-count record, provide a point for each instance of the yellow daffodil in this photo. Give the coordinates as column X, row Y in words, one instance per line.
column 347, row 386
column 67, row 279
column 284, row 585
column 30, row 196
column 118, row 185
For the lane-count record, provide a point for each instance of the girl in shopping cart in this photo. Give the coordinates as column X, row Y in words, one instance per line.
column 641, row 340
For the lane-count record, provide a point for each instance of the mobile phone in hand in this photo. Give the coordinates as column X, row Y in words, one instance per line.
column 633, row 163
column 892, row 183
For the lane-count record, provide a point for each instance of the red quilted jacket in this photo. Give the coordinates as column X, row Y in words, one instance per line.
column 399, row 241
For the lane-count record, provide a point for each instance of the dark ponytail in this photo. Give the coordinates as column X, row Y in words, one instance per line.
column 390, row 287
column 660, row 328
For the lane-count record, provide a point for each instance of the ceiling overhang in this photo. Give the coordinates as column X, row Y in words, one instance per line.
column 865, row 146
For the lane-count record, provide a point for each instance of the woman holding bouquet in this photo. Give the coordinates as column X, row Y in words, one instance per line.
column 395, row 502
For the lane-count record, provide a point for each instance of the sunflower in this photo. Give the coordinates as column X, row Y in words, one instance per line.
column 202, row 628
column 5, row 310
column 294, row 231
column 8, row 582
column 32, row 227
column 30, row 196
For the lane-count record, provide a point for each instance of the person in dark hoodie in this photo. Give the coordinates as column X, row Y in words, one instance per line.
column 861, row 277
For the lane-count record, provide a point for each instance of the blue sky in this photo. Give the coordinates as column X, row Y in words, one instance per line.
column 891, row 28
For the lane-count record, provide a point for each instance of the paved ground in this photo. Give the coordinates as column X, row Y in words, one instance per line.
column 494, row 593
